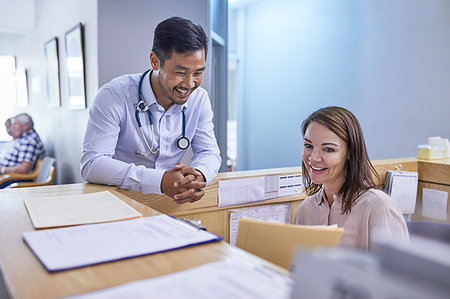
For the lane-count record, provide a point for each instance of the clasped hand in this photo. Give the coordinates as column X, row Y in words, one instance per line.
column 183, row 184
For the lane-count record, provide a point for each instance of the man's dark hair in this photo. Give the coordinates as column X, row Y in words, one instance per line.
column 179, row 35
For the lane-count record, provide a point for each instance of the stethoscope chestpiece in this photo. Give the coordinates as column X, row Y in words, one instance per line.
column 183, row 143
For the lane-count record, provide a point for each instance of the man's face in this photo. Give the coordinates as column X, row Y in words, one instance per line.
column 8, row 128
column 179, row 77
column 18, row 128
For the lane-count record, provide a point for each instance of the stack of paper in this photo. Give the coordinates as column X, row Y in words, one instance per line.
column 402, row 187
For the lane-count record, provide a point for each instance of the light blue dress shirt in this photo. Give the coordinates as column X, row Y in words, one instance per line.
column 113, row 144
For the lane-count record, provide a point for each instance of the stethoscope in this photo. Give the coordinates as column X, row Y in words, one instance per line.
column 183, row 142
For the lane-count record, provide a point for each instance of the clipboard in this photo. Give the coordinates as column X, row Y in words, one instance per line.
column 84, row 245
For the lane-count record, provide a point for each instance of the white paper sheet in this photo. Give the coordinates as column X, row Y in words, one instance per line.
column 77, row 209
column 290, row 184
column 247, row 190
column 404, row 191
column 220, row 280
column 275, row 213
column 240, row 191
column 434, row 204
column 271, row 186
column 71, row 247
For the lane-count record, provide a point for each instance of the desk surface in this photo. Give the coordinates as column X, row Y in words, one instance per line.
column 26, row 277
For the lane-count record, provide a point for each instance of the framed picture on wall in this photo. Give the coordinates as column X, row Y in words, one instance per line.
column 52, row 73
column 75, row 67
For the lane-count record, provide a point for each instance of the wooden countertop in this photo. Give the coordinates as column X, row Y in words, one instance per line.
column 26, row 277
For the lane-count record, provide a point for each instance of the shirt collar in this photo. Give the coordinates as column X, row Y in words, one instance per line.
column 321, row 198
column 149, row 96
column 29, row 132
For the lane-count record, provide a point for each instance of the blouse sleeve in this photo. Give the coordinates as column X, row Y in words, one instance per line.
column 387, row 223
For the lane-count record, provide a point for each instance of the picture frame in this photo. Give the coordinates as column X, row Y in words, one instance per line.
column 75, row 67
column 52, row 73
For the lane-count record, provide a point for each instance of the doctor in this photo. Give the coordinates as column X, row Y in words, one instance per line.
column 140, row 125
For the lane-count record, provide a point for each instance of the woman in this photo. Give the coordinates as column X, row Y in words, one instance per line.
column 337, row 175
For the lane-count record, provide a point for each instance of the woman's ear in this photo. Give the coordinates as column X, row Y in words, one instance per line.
column 154, row 61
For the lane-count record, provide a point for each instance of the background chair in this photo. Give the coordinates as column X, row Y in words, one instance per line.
column 430, row 229
column 43, row 174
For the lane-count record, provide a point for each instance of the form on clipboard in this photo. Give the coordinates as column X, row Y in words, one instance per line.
column 79, row 246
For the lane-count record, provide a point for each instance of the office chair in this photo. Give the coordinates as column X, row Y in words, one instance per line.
column 430, row 229
column 43, row 174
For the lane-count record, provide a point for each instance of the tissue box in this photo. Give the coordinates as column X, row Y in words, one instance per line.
column 430, row 152
column 440, row 142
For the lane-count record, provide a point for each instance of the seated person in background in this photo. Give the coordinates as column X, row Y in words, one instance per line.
column 8, row 126
column 140, row 125
column 337, row 174
column 25, row 148
column 6, row 149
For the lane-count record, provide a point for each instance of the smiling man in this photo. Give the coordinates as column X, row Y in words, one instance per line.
column 140, row 125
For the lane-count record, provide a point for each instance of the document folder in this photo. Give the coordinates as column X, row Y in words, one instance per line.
column 67, row 210
column 276, row 242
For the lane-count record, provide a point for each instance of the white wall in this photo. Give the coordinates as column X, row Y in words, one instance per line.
column 387, row 61
column 17, row 16
column 61, row 129
column 404, row 72
column 126, row 32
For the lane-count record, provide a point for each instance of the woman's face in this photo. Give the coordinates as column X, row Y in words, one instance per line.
column 325, row 155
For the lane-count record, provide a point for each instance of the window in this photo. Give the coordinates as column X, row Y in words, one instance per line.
column 7, row 91
column 218, row 92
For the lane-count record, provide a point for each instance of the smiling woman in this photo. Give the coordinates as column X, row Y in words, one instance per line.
column 325, row 154
column 337, row 175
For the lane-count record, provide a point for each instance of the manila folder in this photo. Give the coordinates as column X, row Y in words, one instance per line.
column 277, row 242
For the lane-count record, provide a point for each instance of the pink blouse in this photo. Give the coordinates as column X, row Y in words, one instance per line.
column 373, row 213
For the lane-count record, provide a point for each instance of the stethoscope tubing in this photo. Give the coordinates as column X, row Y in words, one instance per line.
column 182, row 142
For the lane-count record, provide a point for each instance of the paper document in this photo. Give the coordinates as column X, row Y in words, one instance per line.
column 434, row 204
column 290, row 184
column 402, row 187
column 240, row 191
column 247, row 190
column 226, row 279
column 271, row 183
column 78, row 209
column 280, row 213
column 78, row 246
